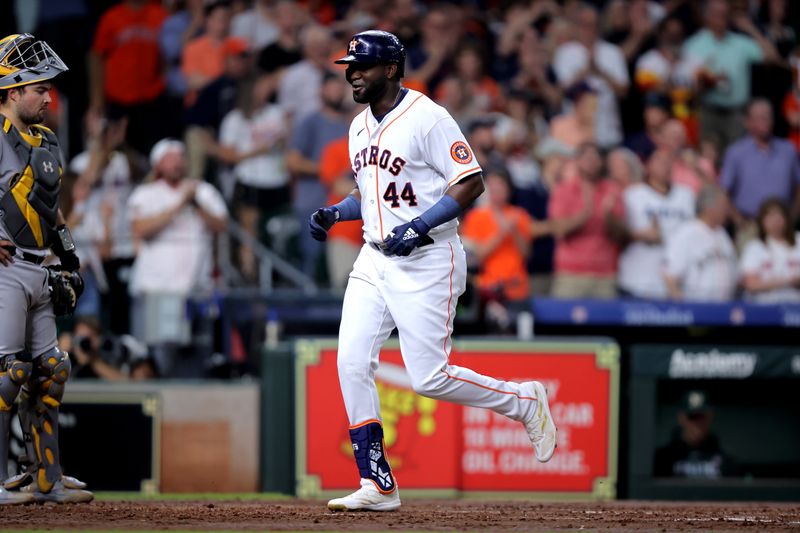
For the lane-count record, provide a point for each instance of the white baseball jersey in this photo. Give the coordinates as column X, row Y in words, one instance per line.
column 773, row 260
column 704, row 261
column 641, row 265
column 406, row 162
column 403, row 165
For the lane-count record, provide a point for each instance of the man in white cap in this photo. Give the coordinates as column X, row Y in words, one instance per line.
column 174, row 219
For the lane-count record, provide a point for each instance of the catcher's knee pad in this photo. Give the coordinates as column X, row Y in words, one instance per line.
column 52, row 371
column 14, row 372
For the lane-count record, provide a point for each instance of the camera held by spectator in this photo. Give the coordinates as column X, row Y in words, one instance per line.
column 96, row 355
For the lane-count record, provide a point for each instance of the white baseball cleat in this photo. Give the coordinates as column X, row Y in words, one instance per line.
column 73, row 483
column 540, row 425
column 367, row 498
column 14, row 497
column 60, row 493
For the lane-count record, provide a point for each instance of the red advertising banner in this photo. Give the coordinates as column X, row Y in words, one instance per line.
column 412, row 424
column 439, row 446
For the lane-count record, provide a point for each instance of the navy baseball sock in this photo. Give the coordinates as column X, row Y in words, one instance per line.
column 370, row 457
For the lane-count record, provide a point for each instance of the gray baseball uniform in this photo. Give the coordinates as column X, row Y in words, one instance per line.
column 23, row 284
column 30, row 168
column 32, row 367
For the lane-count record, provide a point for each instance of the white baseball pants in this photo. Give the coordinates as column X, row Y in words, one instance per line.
column 417, row 294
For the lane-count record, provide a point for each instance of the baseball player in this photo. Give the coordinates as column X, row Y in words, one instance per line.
column 414, row 174
column 31, row 224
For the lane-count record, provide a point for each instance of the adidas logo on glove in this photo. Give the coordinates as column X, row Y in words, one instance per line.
column 410, row 234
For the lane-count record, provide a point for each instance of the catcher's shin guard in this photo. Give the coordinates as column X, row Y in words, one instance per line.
column 40, row 402
column 368, row 449
column 14, row 372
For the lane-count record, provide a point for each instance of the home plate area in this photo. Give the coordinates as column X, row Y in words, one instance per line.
column 415, row 515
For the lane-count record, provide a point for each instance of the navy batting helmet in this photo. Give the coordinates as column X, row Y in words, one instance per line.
column 374, row 46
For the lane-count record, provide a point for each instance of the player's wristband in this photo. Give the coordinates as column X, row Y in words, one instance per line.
column 349, row 208
column 65, row 238
column 444, row 210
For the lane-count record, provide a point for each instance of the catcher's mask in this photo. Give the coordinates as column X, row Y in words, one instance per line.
column 24, row 60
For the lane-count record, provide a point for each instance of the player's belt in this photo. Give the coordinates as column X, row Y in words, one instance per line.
column 381, row 246
column 26, row 256
column 32, row 258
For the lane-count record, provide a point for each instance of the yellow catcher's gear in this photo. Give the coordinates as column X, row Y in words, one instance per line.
column 29, row 207
column 38, row 413
column 24, row 60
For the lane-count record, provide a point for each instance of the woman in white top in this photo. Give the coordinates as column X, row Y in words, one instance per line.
column 771, row 263
column 252, row 140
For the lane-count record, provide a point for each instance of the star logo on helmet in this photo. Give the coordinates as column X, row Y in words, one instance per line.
column 352, row 47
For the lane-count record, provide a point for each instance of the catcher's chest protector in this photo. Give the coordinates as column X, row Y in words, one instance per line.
column 28, row 208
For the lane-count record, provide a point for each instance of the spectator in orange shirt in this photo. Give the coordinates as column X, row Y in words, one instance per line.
column 499, row 235
column 204, row 57
column 345, row 238
column 125, row 72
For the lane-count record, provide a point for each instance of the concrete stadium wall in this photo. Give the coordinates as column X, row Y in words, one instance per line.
column 207, row 439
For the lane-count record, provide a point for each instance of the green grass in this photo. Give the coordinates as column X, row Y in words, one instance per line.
column 191, row 496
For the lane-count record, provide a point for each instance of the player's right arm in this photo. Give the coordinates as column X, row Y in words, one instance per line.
column 323, row 219
column 466, row 191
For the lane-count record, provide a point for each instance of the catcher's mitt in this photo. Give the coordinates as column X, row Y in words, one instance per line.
column 65, row 289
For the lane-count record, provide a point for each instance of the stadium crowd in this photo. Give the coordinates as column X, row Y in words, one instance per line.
column 630, row 147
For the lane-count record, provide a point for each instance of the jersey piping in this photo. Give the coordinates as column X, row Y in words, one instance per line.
column 377, row 181
column 473, row 170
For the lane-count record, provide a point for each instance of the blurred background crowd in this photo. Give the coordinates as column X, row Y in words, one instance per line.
column 631, row 148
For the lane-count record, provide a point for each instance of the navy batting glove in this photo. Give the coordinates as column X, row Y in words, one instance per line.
column 321, row 221
column 405, row 237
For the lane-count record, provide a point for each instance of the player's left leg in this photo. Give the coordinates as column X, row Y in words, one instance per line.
column 422, row 296
column 39, row 404
column 40, row 400
column 365, row 326
column 15, row 363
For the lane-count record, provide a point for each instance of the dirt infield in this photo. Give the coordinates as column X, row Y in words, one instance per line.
column 415, row 515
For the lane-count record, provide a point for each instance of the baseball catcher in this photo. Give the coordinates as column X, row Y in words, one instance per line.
column 32, row 225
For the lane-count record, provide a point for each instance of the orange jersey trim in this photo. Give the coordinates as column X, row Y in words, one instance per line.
column 449, row 302
column 454, row 180
column 488, row 388
column 447, row 326
column 397, row 117
column 377, row 181
column 385, row 491
column 370, row 421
